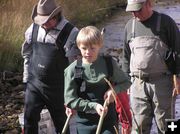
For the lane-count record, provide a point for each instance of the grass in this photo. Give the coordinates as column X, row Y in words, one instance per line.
column 14, row 20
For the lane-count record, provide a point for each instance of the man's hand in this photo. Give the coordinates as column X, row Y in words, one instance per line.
column 176, row 90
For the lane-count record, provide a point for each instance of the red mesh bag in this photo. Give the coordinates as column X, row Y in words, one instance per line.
column 123, row 110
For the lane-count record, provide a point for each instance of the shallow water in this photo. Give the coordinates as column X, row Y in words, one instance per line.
column 172, row 10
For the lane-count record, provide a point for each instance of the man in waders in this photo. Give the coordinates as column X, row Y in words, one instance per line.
column 49, row 42
column 151, row 57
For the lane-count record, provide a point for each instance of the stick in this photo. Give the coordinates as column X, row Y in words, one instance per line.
column 114, row 93
column 66, row 124
column 101, row 119
column 116, row 130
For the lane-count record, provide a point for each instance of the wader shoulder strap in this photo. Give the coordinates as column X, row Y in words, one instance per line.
column 133, row 28
column 109, row 66
column 158, row 26
column 34, row 32
column 78, row 75
column 64, row 34
column 78, row 72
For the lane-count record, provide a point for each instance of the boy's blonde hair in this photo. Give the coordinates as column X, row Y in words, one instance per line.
column 89, row 35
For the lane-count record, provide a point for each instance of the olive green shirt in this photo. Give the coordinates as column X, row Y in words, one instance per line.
column 93, row 73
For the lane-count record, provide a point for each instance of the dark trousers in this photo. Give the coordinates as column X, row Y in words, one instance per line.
column 35, row 100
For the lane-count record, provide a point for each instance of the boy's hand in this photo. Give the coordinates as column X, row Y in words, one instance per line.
column 69, row 111
column 100, row 109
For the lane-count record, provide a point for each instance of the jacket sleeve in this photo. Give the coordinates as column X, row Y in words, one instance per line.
column 26, row 52
column 174, row 41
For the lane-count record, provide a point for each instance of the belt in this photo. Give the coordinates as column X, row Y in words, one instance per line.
column 149, row 77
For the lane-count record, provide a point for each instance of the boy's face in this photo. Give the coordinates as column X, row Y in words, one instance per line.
column 89, row 52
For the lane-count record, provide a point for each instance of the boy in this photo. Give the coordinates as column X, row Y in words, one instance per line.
column 85, row 87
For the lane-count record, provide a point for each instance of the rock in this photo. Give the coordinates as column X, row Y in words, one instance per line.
column 12, row 101
column 14, row 131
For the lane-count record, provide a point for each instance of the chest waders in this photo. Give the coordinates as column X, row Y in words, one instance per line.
column 46, row 77
column 94, row 93
column 147, row 53
column 46, row 68
column 147, row 58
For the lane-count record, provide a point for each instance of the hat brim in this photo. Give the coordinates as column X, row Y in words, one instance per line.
column 42, row 19
column 134, row 7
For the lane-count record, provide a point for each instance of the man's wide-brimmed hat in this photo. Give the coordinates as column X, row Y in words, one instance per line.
column 44, row 11
column 134, row 5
